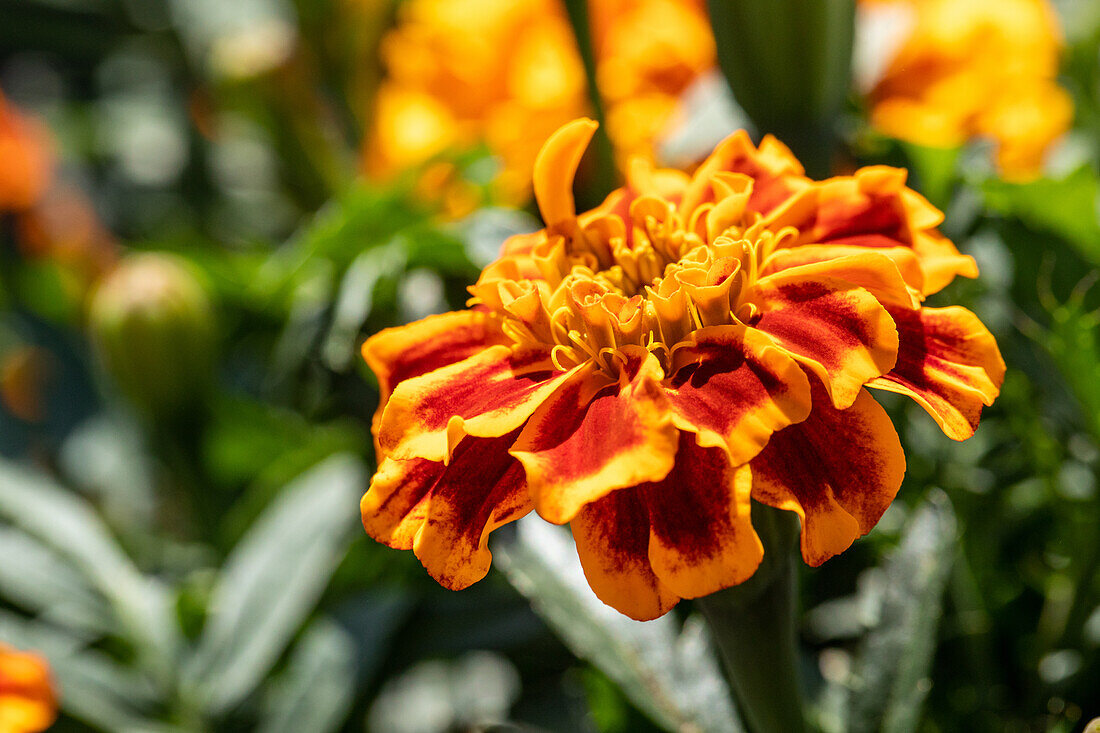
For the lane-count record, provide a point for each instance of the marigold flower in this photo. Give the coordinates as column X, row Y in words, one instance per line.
column 27, row 700
column 642, row 370
column 982, row 68
column 507, row 74
column 25, row 160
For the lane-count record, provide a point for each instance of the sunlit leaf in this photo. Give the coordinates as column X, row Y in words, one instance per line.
column 891, row 675
column 271, row 582
column 68, row 524
column 318, row 686
column 670, row 674
column 1069, row 207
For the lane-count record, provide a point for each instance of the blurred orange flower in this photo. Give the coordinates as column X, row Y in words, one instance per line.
column 507, row 73
column 642, row 370
column 981, row 68
column 26, row 164
column 28, row 703
column 54, row 220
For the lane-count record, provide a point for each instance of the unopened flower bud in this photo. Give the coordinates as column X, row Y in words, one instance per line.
column 152, row 324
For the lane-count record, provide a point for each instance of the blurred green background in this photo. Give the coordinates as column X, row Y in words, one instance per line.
column 178, row 533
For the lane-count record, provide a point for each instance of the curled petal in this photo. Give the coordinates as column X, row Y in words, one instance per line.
column 775, row 172
column 555, row 168
column 444, row 513
column 948, row 362
column 838, row 470
column 612, row 536
column 834, row 328
column 733, row 389
column 595, row 435
column 701, row 539
column 874, row 209
column 486, row 395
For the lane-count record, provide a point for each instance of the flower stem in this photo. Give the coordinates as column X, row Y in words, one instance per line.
column 754, row 627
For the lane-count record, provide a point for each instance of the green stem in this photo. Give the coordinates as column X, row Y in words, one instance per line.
column 754, row 626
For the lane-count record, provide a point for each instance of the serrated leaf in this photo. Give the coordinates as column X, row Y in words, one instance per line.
column 891, row 676
column 272, row 581
column 671, row 675
column 317, row 689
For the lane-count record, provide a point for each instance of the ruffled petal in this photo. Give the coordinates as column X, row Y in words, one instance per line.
column 486, row 395
column 733, row 389
column 838, row 470
column 948, row 362
column 595, row 435
column 701, row 538
column 776, row 173
column 834, row 328
column 444, row 513
column 874, row 208
column 612, row 536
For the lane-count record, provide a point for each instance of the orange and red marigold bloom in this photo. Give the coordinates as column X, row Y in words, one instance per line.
column 27, row 700
column 643, row 370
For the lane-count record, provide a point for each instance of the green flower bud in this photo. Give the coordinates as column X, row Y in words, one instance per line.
column 152, row 325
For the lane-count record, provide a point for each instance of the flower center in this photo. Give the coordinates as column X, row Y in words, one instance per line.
column 596, row 286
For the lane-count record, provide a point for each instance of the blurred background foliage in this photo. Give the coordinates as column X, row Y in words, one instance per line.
column 185, row 420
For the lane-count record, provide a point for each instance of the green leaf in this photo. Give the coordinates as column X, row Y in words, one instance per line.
column 1069, row 207
column 67, row 523
column 37, row 579
column 94, row 688
column 317, row 689
column 788, row 63
column 891, row 675
column 672, row 675
column 271, row 582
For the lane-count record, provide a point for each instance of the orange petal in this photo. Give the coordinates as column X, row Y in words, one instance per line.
column 874, row 209
column 396, row 504
column 404, row 352
column 733, row 389
column 595, row 435
column 701, row 539
column 899, row 283
column 612, row 536
column 838, row 470
column 486, row 395
column 837, row 330
column 555, row 168
column 776, row 173
column 444, row 513
column 948, row 362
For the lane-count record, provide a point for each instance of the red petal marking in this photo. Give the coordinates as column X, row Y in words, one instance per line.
column 396, row 504
column 446, row 512
column 875, row 209
column 612, row 536
column 701, row 538
column 733, row 389
column 487, row 395
column 948, row 362
column 594, row 435
column 776, row 173
column 404, row 352
column 838, row 470
column 900, row 284
column 837, row 330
